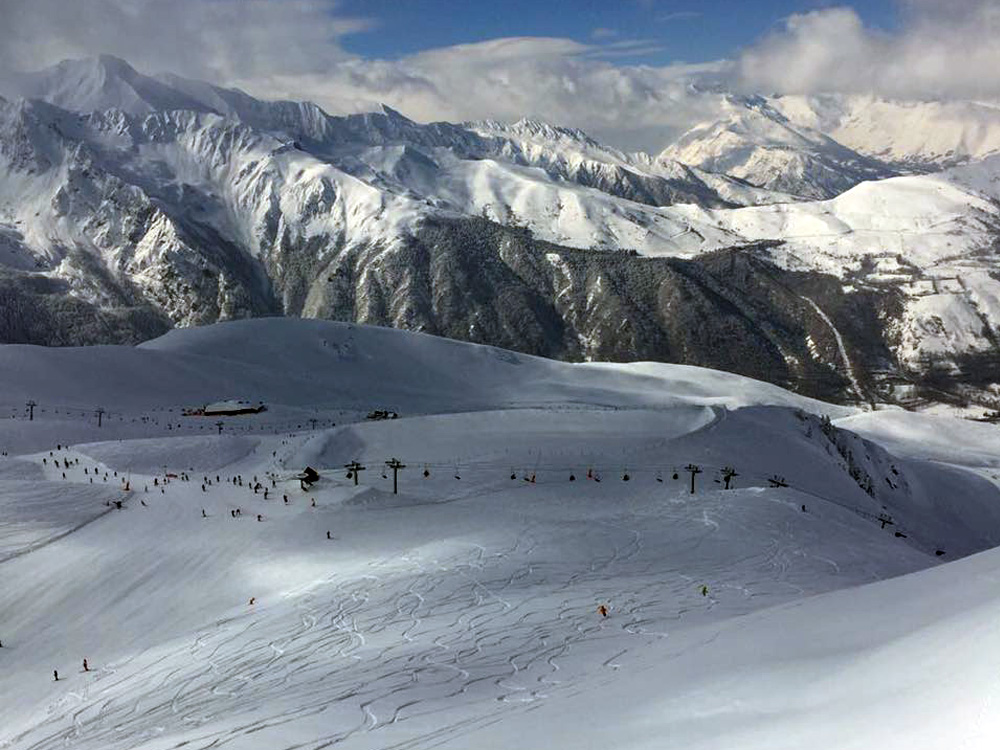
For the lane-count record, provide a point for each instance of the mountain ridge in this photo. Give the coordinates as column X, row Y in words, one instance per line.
column 235, row 207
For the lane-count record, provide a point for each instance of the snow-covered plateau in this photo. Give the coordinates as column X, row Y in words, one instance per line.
column 579, row 555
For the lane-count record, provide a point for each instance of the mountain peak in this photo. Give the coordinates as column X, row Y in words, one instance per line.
column 392, row 114
column 533, row 128
column 116, row 65
column 100, row 83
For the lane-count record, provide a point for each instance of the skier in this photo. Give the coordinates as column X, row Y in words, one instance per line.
column 55, row 673
column 704, row 590
column 253, row 600
column 603, row 610
column 203, row 513
column 259, row 519
column 328, row 535
column 85, row 667
column 314, row 502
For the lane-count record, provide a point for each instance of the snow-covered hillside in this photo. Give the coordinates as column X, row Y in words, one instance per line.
column 918, row 134
column 130, row 204
column 754, row 141
column 929, row 238
column 464, row 610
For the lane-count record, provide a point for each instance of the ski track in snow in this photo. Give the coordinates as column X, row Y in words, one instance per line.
column 428, row 615
column 413, row 638
column 410, row 640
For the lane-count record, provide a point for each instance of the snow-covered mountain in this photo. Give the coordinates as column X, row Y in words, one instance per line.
column 927, row 244
column 756, row 142
column 130, row 204
column 907, row 134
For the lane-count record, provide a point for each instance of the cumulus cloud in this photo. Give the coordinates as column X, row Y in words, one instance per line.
column 943, row 49
column 292, row 49
column 559, row 80
column 216, row 39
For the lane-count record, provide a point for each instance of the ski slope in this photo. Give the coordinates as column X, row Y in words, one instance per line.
column 463, row 611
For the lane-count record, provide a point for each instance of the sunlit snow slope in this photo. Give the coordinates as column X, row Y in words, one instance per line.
column 463, row 611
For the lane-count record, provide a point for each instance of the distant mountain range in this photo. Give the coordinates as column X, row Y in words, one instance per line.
column 842, row 246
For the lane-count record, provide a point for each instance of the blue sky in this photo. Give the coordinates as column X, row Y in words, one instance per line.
column 684, row 30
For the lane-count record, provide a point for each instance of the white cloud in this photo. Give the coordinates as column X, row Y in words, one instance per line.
column 215, row 39
column 602, row 32
column 291, row 48
column 679, row 15
column 949, row 49
column 559, row 80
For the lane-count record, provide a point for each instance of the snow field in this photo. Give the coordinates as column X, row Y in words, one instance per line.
column 462, row 612
column 455, row 602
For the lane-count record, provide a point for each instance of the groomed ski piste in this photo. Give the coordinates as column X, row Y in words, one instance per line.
column 840, row 594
